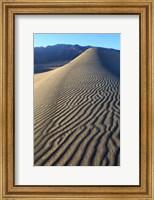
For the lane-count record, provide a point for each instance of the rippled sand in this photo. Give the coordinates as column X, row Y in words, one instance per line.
column 77, row 112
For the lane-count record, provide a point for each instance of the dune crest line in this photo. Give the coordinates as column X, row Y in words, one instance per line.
column 77, row 112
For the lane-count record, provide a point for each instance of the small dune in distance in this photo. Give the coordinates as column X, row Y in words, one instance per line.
column 77, row 107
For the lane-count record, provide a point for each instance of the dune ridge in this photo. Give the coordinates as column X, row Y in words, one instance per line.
column 77, row 112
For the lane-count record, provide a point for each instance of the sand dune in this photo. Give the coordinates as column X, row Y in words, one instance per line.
column 77, row 112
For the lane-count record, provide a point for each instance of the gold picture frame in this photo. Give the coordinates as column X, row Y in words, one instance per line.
column 145, row 10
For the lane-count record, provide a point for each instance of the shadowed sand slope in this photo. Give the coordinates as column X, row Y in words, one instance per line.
column 77, row 112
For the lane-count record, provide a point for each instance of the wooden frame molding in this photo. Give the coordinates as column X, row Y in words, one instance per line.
column 10, row 8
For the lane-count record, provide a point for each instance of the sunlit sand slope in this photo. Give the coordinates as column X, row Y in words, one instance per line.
column 77, row 112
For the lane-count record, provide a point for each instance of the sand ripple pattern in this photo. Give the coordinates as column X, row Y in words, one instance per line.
column 77, row 114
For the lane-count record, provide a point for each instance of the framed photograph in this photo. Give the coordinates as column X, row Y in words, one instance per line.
column 77, row 99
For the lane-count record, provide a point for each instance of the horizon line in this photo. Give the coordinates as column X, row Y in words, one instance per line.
column 76, row 44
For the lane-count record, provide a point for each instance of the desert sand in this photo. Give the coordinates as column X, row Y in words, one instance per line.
column 77, row 112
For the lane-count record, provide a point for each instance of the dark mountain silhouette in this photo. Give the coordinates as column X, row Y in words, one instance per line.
column 50, row 57
column 46, row 58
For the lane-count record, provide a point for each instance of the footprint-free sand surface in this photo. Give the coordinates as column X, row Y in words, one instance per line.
column 77, row 112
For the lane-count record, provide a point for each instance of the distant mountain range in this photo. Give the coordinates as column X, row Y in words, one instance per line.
column 47, row 58
column 46, row 55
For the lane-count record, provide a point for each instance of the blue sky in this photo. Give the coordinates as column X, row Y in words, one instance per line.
column 98, row 40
